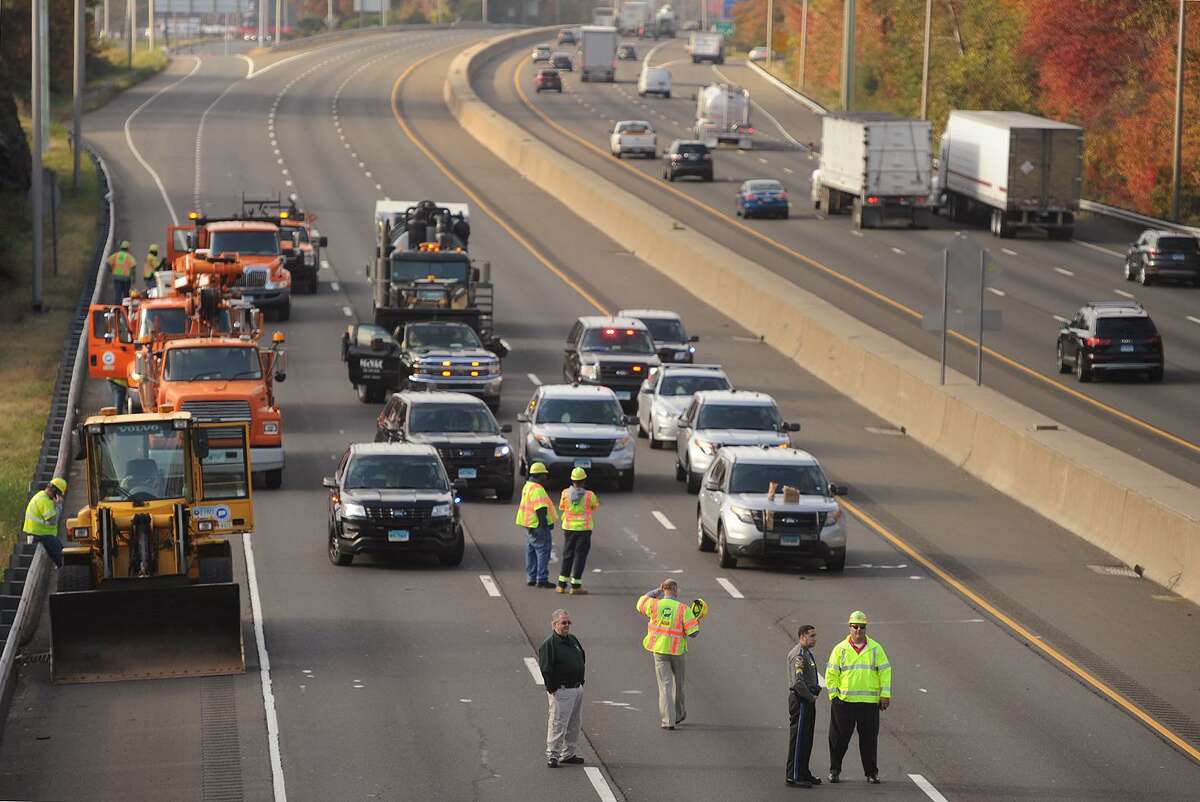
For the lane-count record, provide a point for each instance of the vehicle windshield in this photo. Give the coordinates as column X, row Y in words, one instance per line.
column 617, row 341
column 749, row 478
column 602, row 412
column 212, row 362
column 169, row 320
column 461, row 418
column 142, row 460
column 408, row 270
column 1179, row 244
column 1125, row 328
column 665, row 329
column 369, row 333
column 758, row 417
column 634, row 127
column 294, row 233
column 692, row 148
column 454, row 337
column 395, row 472
column 246, row 243
column 686, row 385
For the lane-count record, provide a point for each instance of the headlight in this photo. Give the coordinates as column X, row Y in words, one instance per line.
column 622, row 442
column 271, row 285
column 832, row 518
column 591, row 371
column 705, row 446
column 270, row 427
column 543, row 440
column 350, row 510
column 501, row 451
column 743, row 514
column 665, row 414
column 79, row 533
column 441, row 511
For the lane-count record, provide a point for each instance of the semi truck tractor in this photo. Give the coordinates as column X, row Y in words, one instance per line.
column 1016, row 170
column 877, row 166
column 723, row 116
column 597, row 53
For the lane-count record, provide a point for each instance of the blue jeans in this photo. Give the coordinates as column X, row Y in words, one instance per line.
column 120, row 289
column 537, row 555
column 53, row 546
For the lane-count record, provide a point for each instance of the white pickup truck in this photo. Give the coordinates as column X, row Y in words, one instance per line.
column 633, row 137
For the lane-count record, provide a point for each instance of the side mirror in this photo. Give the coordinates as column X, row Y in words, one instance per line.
column 505, row 428
column 329, row 482
column 200, row 443
column 323, row 241
column 683, row 424
column 837, row 490
column 709, row 484
column 522, row 417
column 695, row 338
column 280, row 376
column 630, row 420
column 791, row 427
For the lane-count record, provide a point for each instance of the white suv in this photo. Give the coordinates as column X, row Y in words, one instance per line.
column 718, row 418
column 666, row 393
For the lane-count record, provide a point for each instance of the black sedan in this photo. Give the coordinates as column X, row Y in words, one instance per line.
column 392, row 499
column 562, row 61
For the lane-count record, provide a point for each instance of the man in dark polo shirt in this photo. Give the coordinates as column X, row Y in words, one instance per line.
column 561, row 659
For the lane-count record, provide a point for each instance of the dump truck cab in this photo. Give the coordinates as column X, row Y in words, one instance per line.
column 147, row 584
column 263, row 278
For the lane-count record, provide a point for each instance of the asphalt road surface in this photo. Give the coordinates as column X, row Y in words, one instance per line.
column 410, row 681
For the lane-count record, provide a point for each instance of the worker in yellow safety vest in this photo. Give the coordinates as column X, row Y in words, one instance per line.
column 122, row 265
column 671, row 624
column 859, row 679
column 41, row 518
column 578, row 505
column 152, row 264
column 536, row 514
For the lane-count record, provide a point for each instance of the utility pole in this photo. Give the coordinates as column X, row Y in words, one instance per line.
column 483, row 16
column 329, row 14
column 77, row 92
column 848, row 19
column 262, row 21
column 150, row 21
column 37, row 41
column 130, row 27
column 770, row 31
column 803, row 44
column 925, row 61
column 1176, row 163
column 278, row 4
column 104, row 28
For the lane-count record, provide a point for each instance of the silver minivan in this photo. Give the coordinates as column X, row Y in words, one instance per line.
column 654, row 81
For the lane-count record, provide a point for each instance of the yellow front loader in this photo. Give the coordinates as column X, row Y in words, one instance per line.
column 147, row 587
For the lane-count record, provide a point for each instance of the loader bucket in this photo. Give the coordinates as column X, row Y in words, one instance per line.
column 131, row 633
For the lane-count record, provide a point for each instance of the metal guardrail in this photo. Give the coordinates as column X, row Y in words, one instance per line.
column 61, row 422
column 1095, row 207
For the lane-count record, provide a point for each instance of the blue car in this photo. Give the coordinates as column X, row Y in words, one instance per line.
column 762, row 197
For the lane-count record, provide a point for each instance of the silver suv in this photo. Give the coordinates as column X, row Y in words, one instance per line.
column 667, row 392
column 569, row 425
column 718, row 418
column 737, row 517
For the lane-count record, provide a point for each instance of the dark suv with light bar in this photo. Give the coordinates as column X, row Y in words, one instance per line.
column 615, row 352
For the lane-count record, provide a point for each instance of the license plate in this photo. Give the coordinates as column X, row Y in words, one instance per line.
column 467, row 473
column 1126, row 349
column 583, row 463
column 397, row 535
column 680, row 356
column 1178, row 257
column 624, row 395
column 789, row 540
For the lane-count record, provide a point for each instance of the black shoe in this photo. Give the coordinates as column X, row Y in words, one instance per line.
column 531, row 582
column 813, row 780
column 546, row 585
column 573, row 760
column 835, row 776
column 873, row 779
column 798, row 783
column 552, row 762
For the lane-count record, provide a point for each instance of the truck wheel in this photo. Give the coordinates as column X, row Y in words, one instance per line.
column 725, row 559
column 836, row 561
column 216, row 565
column 1143, row 277
column 1082, row 371
column 703, row 541
column 667, row 95
column 75, row 578
column 625, row 482
column 1063, row 367
column 284, row 312
column 505, row 492
column 693, row 482
column 273, row 479
column 336, row 555
column 1155, row 375
column 454, row 555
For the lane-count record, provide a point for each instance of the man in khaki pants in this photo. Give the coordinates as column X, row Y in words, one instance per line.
column 670, row 624
column 562, row 661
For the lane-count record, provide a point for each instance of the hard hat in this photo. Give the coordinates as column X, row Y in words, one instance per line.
column 578, row 475
column 858, row 617
column 700, row 609
column 153, row 249
column 538, row 468
column 124, row 244
column 60, row 484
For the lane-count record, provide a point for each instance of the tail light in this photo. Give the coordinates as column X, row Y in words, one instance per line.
column 1154, row 340
column 1152, row 251
column 1092, row 342
column 707, row 157
column 751, row 197
column 872, row 199
column 783, row 196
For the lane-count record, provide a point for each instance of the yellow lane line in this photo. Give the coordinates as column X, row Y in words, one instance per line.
column 478, row 201
column 858, row 285
column 1046, row 649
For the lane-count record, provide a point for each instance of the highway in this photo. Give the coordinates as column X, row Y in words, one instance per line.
column 888, row 276
column 409, row 681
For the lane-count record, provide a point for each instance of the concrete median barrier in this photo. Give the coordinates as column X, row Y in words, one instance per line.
column 1137, row 513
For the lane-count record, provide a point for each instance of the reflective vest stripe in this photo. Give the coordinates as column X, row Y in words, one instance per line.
column 577, row 517
column 666, row 638
column 149, row 266
column 121, row 263
column 864, row 676
column 41, row 515
column 534, row 498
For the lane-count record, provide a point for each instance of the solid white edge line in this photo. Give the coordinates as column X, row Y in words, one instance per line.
column 1194, row 319
column 928, row 788
column 598, row 782
column 534, row 379
column 138, row 155
column 535, row 671
column 1124, row 294
column 1099, row 248
column 1063, row 271
column 729, row 588
column 264, row 670
column 662, row 519
column 489, row 585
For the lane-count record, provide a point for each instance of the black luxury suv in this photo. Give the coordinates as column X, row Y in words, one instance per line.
column 687, row 157
column 1109, row 337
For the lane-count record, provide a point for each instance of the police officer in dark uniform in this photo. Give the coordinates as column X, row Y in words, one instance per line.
column 803, row 691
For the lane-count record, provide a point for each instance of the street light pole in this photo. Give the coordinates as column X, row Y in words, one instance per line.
column 130, row 27
column 37, row 42
column 77, row 92
column 803, row 44
column 849, row 17
column 1176, row 165
column 925, row 61
column 770, row 30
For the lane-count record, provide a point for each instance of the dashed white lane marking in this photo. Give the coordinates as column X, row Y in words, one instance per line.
column 662, row 519
column 1064, row 271
column 599, row 783
column 788, row 170
column 264, row 671
column 927, row 788
column 137, row 154
column 1195, row 320
column 897, row 250
column 333, row 285
column 1008, row 251
column 324, row 264
column 534, row 670
column 1061, row 319
column 729, row 588
column 347, row 312
column 1099, row 248
column 995, row 291
column 1124, row 294
column 856, row 233
column 534, row 379
column 761, row 160
column 489, row 585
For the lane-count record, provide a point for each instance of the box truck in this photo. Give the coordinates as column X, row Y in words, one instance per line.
column 704, row 46
column 597, row 53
